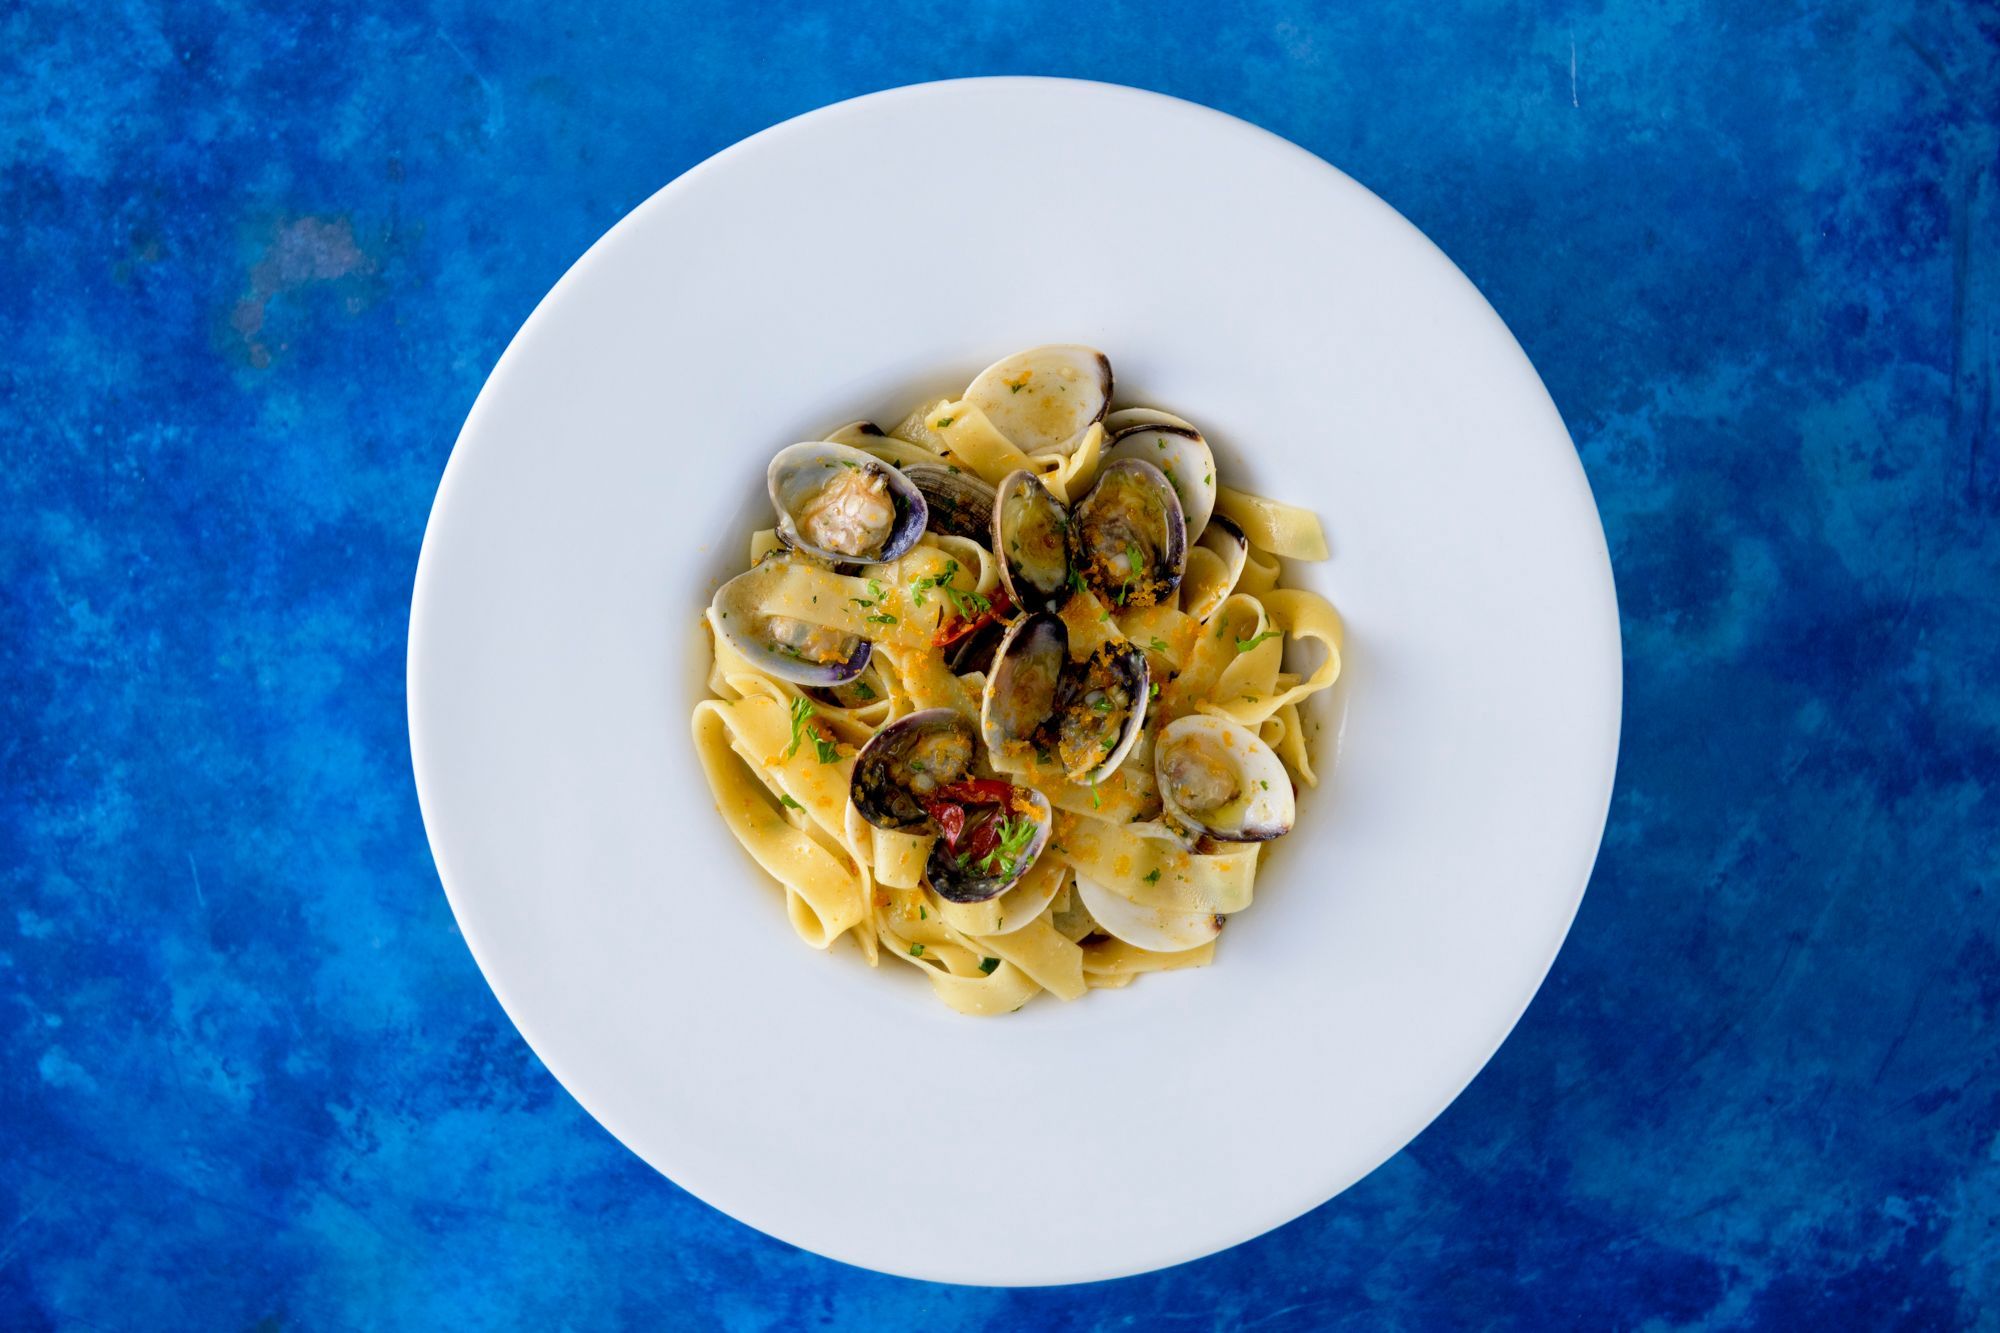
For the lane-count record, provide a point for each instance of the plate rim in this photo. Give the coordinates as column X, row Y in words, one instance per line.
column 1280, row 1210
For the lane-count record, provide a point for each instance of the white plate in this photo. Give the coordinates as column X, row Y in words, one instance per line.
column 841, row 265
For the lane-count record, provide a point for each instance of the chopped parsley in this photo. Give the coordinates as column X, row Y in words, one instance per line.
column 1015, row 835
column 1265, row 785
column 875, row 589
column 1245, row 645
column 1075, row 581
column 969, row 605
column 1153, row 690
column 1101, row 704
column 864, row 689
column 1154, row 878
column 829, row 753
column 916, row 951
column 1158, row 645
column 884, row 619
column 922, row 914
column 942, row 422
column 986, row 966
column 862, row 602
column 802, row 708
column 1095, row 802
column 788, row 802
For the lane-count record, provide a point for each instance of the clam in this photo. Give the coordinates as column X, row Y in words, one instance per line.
column 1083, row 717
column 961, row 505
column 914, row 776
column 1156, row 929
column 1127, row 417
column 1217, row 778
column 844, row 505
column 1126, row 540
column 991, row 840
column 1128, row 537
column 1030, row 534
column 855, row 434
column 906, row 763
column 790, row 649
column 1183, row 456
column 1045, row 398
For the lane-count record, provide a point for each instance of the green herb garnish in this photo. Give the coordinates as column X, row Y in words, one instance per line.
column 1245, row 645
column 788, row 802
column 865, row 690
column 986, row 965
column 1015, row 835
column 916, row 951
column 1153, row 878
column 802, row 709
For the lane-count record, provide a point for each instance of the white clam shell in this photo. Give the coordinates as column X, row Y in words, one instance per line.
column 1157, row 929
column 1263, row 806
column 1045, row 398
column 1180, row 452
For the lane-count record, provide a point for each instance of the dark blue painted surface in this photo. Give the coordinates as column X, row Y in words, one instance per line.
column 253, row 268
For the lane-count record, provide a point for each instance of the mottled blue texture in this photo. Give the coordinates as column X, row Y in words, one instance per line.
column 253, row 268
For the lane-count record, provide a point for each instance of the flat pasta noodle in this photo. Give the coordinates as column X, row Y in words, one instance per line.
column 1282, row 529
column 779, row 759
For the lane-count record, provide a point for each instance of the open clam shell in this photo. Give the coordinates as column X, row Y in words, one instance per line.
column 1183, row 456
column 1101, row 711
column 905, row 764
column 794, row 650
column 1045, row 398
column 1128, row 537
column 1083, row 717
column 1217, row 777
column 842, row 504
column 997, row 844
column 1021, row 686
column 1030, row 534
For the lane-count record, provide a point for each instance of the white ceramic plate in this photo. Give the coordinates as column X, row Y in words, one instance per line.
column 842, row 265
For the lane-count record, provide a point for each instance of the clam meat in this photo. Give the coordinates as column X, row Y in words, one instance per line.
column 844, row 505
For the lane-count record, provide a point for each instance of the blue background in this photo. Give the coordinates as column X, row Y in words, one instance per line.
column 253, row 268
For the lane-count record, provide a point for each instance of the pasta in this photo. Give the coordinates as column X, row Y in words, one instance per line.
column 1011, row 693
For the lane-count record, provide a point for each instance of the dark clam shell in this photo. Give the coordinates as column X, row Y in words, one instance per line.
column 1022, row 687
column 1128, row 536
column 966, row 881
column 1083, row 717
column 961, row 505
column 906, row 760
column 1101, row 711
column 1030, row 534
